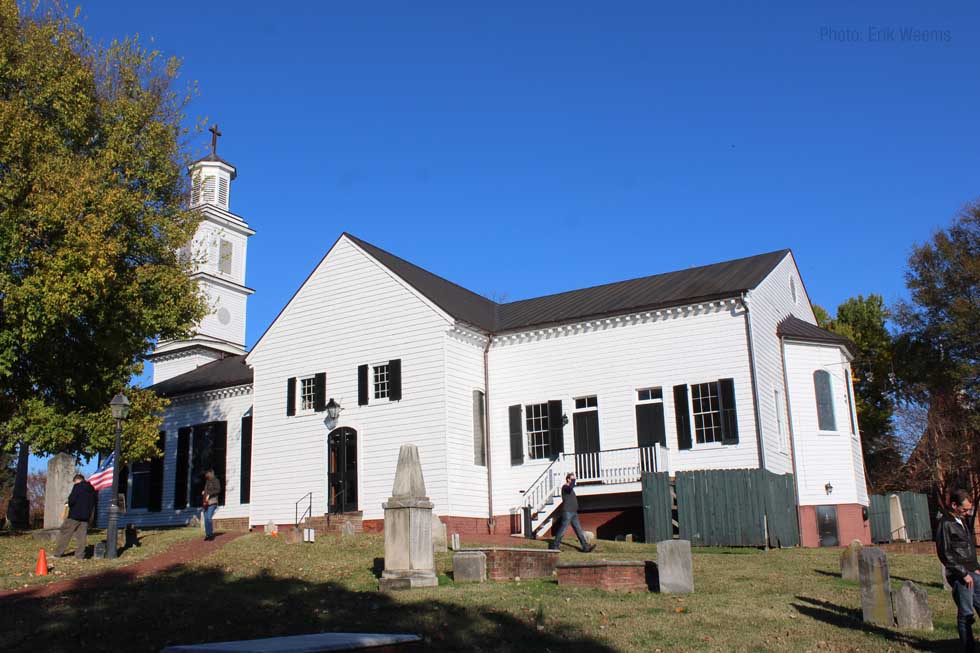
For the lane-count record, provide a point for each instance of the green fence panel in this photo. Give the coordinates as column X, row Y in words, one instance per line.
column 880, row 519
column 915, row 510
column 657, row 524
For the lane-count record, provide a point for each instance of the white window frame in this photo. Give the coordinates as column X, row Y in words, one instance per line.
column 586, row 408
column 300, row 383
column 373, row 383
column 781, row 426
column 715, row 427
column 833, row 403
column 230, row 258
column 651, row 399
column 545, row 435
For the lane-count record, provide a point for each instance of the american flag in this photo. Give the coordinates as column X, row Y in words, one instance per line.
column 103, row 475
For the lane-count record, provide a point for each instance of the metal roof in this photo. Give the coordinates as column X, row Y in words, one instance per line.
column 796, row 329
column 224, row 373
column 715, row 281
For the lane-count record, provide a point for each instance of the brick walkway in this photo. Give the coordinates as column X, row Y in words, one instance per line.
column 172, row 557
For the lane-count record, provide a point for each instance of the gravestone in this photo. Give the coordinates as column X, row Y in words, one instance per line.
column 454, row 541
column 438, row 535
column 292, row 536
column 57, row 487
column 408, row 527
column 469, row 567
column 346, row 529
column 942, row 572
column 589, row 537
column 629, row 538
column 876, row 600
column 271, row 528
column 849, row 561
column 912, row 607
column 675, row 573
column 100, row 550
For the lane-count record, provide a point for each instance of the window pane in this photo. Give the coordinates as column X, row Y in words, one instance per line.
column 643, row 395
column 140, row 475
column 306, row 393
column 380, row 381
column 538, row 436
column 825, row 401
column 707, row 413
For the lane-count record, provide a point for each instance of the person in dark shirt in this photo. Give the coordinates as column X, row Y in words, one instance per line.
column 569, row 515
column 211, row 493
column 957, row 550
column 81, row 503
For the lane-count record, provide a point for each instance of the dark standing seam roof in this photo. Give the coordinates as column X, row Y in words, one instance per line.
column 796, row 329
column 702, row 283
column 224, row 373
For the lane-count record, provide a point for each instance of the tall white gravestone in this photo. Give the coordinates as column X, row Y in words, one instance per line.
column 57, row 487
column 408, row 528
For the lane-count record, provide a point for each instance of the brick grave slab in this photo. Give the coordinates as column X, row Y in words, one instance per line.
column 609, row 575
column 508, row 563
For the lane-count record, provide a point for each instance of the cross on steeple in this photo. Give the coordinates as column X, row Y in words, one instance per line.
column 214, row 138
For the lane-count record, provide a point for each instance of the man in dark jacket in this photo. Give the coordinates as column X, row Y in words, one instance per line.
column 957, row 550
column 81, row 503
column 211, row 494
column 569, row 515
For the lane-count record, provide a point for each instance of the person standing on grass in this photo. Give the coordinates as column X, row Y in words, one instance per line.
column 81, row 502
column 957, row 550
column 211, row 492
column 569, row 515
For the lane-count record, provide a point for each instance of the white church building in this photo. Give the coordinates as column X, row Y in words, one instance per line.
column 714, row 367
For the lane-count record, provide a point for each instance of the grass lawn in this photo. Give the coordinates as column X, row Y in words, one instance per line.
column 258, row 586
column 18, row 556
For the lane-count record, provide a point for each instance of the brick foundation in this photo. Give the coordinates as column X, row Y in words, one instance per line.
column 606, row 524
column 462, row 525
column 910, row 547
column 851, row 525
column 508, row 563
column 334, row 523
column 231, row 524
column 609, row 575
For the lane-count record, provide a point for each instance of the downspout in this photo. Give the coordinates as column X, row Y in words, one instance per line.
column 755, row 382
column 486, row 432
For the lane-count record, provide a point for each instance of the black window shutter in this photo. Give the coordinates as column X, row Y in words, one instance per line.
column 556, row 428
column 683, row 417
column 123, row 488
column 516, row 435
column 245, row 481
column 729, row 416
column 156, row 476
column 362, row 385
column 479, row 446
column 395, row 380
column 183, row 460
column 650, row 425
column 320, row 392
column 291, row 396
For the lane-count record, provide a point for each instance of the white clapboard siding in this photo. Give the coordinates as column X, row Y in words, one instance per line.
column 770, row 303
column 229, row 406
column 612, row 362
column 823, row 457
column 464, row 374
column 351, row 311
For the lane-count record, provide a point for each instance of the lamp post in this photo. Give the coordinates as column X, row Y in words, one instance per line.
column 333, row 409
column 120, row 411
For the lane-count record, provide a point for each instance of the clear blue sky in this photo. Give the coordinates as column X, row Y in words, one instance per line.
column 522, row 151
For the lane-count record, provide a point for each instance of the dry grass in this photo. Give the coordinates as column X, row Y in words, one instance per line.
column 257, row 586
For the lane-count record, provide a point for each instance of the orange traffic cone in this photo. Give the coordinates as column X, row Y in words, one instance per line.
column 42, row 565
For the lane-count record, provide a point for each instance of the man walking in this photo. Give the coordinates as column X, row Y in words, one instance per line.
column 569, row 515
column 212, row 491
column 957, row 550
column 81, row 502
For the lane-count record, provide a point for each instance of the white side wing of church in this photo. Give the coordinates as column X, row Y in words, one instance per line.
column 716, row 367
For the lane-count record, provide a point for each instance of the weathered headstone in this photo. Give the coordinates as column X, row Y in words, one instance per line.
column 347, row 529
column 629, row 538
column 454, row 541
column 100, row 550
column 675, row 571
column 849, row 561
column 292, row 535
column 469, row 567
column 271, row 528
column 942, row 573
column 912, row 607
column 57, row 487
column 408, row 527
column 438, row 535
column 589, row 537
column 876, row 600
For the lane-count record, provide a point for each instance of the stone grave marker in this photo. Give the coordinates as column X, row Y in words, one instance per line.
column 271, row 528
column 57, row 487
column 912, row 607
column 438, row 535
column 292, row 536
column 589, row 537
column 347, row 529
column 408, row 527
column 675, row 573
column 849, row 561
column 454, row 542
column 876, row 600
column 469, row 567
column 942, row 572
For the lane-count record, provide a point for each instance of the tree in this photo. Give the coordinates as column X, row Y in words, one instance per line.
column 92, row 197
column 863, row 321
column 938, row 356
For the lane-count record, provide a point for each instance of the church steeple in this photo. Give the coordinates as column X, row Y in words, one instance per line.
column 216, row 256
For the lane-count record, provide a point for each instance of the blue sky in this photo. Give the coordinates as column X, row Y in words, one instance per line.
column 523, row 150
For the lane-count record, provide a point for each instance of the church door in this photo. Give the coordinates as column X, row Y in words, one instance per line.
column 342, row 470
column 587, row 467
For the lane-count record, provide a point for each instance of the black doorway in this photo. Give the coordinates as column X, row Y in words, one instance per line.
column 342, row 470
column 586, row 426
column 827, row 525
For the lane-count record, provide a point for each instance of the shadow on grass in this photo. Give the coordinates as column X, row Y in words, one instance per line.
column 918, row 582
column 836, row 575
column 853, row 619
column 189, row 606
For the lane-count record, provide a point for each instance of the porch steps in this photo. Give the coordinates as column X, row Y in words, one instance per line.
column 333, row 523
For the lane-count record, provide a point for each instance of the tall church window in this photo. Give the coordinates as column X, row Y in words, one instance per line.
column 707, row 412
column 381, row 381
column 538, row 431
column 208, row 452
column 825, row 401
column 307, row 393
column 224, row 256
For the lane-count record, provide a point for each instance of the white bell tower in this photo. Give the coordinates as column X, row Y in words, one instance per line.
column 217, row 257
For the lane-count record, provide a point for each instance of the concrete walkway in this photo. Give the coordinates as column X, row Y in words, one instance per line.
column 173, row 557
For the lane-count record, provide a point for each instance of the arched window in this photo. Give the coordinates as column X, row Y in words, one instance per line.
column 825, row 401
